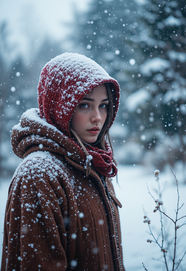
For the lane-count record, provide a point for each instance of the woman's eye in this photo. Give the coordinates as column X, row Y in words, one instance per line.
column 104, row 106
column 83, row 105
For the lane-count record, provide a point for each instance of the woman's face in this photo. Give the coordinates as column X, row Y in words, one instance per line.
column 90, row 114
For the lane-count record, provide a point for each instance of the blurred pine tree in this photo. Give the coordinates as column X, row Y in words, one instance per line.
column 161, row 73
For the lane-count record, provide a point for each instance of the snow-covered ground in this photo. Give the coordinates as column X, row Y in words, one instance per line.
column 133, row 193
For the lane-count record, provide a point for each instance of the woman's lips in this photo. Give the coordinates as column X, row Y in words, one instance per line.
column 94, row 130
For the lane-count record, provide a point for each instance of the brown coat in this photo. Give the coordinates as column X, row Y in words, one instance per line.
column 57, row 218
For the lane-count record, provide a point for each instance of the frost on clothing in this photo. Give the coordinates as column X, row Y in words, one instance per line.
column 57, row 218
column 101, row 159
column 64, row 81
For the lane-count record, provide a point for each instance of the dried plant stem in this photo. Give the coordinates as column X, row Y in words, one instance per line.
column 144, row 267
column 180, row 260
column 162, row 229
column 161, row 222
column 159, row 203
column 175, row 224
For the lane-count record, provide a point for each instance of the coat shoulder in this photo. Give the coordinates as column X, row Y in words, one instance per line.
column 39, row 167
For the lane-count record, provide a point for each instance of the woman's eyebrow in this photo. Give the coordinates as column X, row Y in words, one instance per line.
column 90, row 99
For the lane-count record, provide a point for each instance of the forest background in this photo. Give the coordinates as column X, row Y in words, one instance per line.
column 140, row 43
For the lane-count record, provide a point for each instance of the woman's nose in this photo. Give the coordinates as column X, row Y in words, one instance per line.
column 96, row 116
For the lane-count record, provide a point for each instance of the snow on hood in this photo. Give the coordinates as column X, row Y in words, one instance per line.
column 64, row 81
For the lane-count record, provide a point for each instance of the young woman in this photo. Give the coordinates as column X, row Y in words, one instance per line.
column 62, row 213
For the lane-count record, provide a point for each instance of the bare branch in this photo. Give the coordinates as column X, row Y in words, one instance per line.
column 164, row 234
column 144, row 267
column 180, row 260
column 166, row 215
column 181, row 217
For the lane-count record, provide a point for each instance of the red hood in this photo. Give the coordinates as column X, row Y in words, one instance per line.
column 64, row 81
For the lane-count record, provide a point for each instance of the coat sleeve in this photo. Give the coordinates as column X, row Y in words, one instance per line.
column 36, row 219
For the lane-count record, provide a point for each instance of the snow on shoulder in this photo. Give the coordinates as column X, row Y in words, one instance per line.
column 33, row 115
column 36, row 165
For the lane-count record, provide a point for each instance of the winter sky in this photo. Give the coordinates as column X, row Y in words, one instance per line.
column 38, row 19
column 47, row 14
column 31, row 21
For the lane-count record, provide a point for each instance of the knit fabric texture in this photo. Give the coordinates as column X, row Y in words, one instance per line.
column 64, row 81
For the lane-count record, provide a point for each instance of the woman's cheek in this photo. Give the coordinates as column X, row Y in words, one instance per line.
column 80, row 119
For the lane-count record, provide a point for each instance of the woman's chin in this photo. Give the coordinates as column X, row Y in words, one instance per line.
column 90, row 140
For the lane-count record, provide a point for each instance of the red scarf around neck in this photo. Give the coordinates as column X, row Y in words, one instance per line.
column 103, row 160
